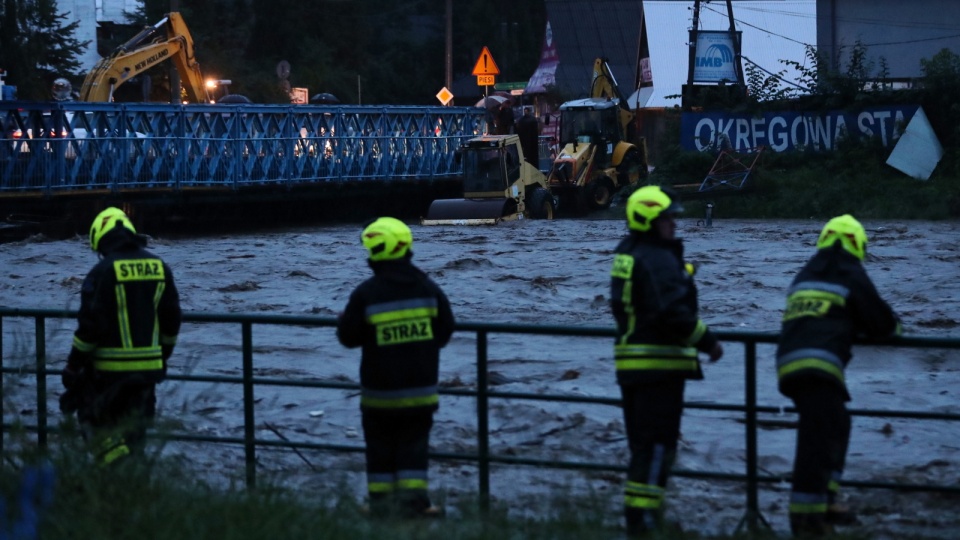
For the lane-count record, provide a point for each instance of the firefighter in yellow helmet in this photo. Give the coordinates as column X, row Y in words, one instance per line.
column 659, row 335
column 401, row 319
column 127, row 327
column 830, row 301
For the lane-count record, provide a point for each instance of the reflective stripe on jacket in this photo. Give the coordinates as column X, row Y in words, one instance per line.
column 428, row 396
column 654, row 303
column 831, row 301
column 401, row 319
column 129, row 311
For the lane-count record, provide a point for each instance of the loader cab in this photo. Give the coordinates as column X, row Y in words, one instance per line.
column 590, row 121
column 489, row 167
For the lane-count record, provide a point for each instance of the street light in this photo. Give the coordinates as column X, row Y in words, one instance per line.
column 213, row 84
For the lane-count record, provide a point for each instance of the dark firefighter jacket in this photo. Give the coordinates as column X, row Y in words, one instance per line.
column 654, row 302
column 402, row 319
column 831, row 301
column 129, row 312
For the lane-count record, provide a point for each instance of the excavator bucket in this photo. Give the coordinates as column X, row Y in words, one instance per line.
column 466, row 212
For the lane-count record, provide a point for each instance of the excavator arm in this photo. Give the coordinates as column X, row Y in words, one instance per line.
column 169, row 39
column 605, row 86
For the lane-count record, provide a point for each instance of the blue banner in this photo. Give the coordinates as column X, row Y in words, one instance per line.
column 792, row 130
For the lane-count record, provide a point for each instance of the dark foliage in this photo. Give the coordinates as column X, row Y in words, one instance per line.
column 36, row 46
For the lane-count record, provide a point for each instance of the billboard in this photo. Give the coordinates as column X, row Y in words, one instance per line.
column 715, row 60
column 792, row 130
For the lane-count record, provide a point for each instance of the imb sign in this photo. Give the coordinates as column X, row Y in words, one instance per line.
column 486, row 69
column 715, row 61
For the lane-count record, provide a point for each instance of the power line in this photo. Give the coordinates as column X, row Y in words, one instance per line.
column 886, row 23
column 918, row 40
column 760, row 29
column 775, row 75
column 868, row 21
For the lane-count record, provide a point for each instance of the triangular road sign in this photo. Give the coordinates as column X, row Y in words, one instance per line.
column 485, row 64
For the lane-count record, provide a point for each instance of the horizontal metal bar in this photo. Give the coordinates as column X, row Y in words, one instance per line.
column 950, row 342
column 526, row 396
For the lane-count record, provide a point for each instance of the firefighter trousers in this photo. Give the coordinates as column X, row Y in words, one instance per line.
column 115, row 420
column 397, row 447
column 823, row 435
column 652, row 415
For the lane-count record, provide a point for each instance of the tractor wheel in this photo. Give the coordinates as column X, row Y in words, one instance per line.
column 632, row 168
column 599, row 194
column 541, row 204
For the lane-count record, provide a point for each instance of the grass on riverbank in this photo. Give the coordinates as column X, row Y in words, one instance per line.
column 164, row 499
column 803, row 185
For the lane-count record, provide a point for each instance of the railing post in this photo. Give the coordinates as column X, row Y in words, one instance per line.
column 3, row 398
column 249, row 431
column 750, row 398
column 41, row 342
column 483, row 423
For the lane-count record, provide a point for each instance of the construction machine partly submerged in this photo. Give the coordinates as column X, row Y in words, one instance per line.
column 498, row 185
column 600, row 153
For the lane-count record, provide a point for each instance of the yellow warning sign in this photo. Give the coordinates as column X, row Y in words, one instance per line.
column 485, row 64
column 444, row 95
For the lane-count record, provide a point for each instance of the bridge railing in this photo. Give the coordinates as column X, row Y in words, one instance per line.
column 52, row 148
column 483, row 394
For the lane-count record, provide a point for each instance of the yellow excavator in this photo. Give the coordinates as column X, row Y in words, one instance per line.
column 498, row 185
column 600, row 153
column 169, row 39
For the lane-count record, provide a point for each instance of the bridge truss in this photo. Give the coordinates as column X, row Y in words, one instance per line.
column 77, row 148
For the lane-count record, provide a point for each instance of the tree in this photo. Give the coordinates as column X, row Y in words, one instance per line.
column 36, row 46
column 941, row 94
column 390, row 50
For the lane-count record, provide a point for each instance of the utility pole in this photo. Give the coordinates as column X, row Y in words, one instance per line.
column 693, row 41
column 174, row 74
column 737, row 62
column 449, row 46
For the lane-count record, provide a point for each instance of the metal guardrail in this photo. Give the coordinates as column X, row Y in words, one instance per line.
column 484, row 458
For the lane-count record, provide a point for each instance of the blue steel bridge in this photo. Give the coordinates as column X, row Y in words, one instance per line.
column 72, row 148
column 54, row 155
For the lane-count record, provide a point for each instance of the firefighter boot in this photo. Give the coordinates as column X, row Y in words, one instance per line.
column 809, row 525
column 642, row 523
column 839, row 513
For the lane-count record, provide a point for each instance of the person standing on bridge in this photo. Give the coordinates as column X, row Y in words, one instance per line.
column 401, row 319
column 128, row 324
column 659, row 333
column 830, row 301
column 528, row 129
column 505, row 119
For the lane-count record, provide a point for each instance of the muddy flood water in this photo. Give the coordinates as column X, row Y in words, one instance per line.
column 535, row 273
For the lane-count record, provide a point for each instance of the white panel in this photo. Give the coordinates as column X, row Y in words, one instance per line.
column 84, row 12
column 918, row 151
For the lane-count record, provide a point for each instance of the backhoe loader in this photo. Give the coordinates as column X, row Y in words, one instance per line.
column 498, row 185
column 600, row 153
column 169, row 39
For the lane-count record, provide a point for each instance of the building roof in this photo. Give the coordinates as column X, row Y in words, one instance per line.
column 584, row 30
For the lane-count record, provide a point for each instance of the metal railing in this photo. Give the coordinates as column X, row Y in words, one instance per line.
column 483, row 394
